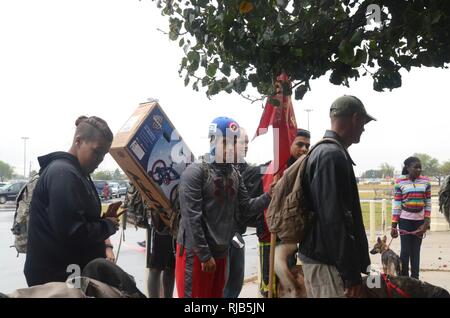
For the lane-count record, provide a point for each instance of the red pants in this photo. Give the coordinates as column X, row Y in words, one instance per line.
column 192, row 282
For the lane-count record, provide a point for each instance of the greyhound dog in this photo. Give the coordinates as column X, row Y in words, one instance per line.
column 291, row 282
column 401, row 287
column 390, row 261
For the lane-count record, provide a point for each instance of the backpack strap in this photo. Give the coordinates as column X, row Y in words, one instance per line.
column 327, row 141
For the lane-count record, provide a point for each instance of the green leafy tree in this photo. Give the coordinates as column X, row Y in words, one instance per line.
column 6, row 171
column 103, row 175
column 387, row 170
column 229, row 44
column 372, row 174
column 118, row 175
column 430, row 165
column 445, row 168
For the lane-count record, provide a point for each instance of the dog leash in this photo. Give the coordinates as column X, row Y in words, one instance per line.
column 391, row 286
column 389, row 245
column 404, row 232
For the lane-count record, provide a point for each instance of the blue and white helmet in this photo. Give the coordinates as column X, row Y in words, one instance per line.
column 223, row 127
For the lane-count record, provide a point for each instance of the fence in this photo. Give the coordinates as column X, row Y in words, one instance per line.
column 438, row 221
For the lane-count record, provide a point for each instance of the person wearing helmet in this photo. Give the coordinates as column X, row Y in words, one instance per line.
column 213, row 198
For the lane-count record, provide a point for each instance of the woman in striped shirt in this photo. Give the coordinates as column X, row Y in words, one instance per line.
column 411, row 212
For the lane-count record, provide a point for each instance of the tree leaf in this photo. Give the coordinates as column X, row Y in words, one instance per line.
column 300, row 91
column 346, row 51
column 213, row 88
column 225, row 69
column 307, row 39
column 211, row 70
column 275, row 102
column 204, row 61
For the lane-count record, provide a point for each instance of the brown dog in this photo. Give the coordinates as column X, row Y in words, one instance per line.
column 390, row 261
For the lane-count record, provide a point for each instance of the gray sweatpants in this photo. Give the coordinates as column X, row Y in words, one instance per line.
column 323, row 281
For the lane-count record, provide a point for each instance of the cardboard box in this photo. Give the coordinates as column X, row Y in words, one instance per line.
column 153, row 156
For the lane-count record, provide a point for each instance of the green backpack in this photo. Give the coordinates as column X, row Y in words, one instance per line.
column 22, row 215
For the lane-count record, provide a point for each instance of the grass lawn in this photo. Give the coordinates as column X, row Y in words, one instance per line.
column 383, row 189
column 366, row 214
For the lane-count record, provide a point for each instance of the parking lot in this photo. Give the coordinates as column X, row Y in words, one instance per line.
column 131, row 256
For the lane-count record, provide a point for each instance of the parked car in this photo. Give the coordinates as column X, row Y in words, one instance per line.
column 3, row 185
column 10, row 192
column 100, row 186
column 123, row 188
column 114, row 189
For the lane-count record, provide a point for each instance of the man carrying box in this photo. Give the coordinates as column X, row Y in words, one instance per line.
column 212, row 198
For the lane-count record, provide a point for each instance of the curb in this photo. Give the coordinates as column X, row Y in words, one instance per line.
column 7, row 207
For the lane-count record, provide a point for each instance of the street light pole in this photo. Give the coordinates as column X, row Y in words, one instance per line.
column 25, row 155
column 308, row 110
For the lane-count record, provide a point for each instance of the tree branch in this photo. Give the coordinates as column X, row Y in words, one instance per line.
column 252, row 99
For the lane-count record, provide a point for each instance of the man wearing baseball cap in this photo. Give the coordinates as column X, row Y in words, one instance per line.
column 213, row 198
column 334, row 251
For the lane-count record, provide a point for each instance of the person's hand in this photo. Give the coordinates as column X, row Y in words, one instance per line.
column 394, row 232
column 124, row 210
column 110, row 254
column 357, row 291
column 422, row 229
column 209, row 265
column 115, row 222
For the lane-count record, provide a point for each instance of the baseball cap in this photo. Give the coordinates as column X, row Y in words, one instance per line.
column 348, row 105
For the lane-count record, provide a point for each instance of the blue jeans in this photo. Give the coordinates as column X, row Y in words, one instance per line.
column 410, row 247
column 235, row 272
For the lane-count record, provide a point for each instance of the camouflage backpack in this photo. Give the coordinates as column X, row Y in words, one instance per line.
column 444, row 198
column 290, row 214
column 139, row 214
column 22, row 215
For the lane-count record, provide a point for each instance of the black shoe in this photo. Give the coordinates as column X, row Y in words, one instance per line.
column 142, row 244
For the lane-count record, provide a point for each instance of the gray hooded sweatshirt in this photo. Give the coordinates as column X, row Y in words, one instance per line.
column 213, row 198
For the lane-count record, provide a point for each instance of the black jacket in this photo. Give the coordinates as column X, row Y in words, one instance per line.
column 65, row 225
column 337, row 236
column 252, row 177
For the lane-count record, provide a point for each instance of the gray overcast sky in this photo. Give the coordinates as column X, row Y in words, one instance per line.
column 60, row 59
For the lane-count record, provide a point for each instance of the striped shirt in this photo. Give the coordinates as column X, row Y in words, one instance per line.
column 412, row 199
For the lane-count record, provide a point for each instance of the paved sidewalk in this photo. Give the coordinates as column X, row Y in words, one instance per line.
column 434, row 263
